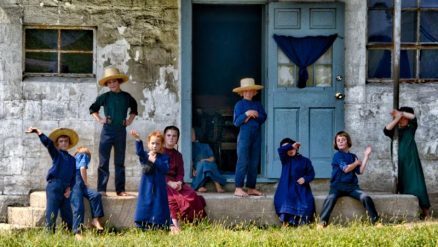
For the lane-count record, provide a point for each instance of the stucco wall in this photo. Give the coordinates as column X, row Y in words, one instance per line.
column 139, row 37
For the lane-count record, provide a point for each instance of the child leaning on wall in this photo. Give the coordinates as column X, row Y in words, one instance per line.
column 61, row 175
column 249, row 115
column 410, row 173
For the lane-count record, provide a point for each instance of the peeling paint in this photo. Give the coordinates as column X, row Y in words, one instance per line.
column 116, row 55
column 121, row 30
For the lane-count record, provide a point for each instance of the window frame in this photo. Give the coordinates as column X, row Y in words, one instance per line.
column 417, row 46
column 59, row 51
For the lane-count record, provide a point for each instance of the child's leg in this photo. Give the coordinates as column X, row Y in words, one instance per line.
column 53, row 202
column 105, row 146
column 328, row 206
column 77, row 203
column 367, row 202
column 66, row 213
column 243, row 146
column 254, row 161
column 96, row 207
column 219, row 188
column 119, row 160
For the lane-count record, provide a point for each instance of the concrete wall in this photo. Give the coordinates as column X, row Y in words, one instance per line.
column 139, row 37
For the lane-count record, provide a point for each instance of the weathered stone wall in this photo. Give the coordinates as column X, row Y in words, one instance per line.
column 137, row 36
column 367, row 108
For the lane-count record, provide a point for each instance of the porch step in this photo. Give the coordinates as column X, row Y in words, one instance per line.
column 227, row 209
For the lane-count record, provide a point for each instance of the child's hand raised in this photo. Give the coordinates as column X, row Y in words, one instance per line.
column 33, row 130
column 134, row 134
column 296, row 145
column 367, row 151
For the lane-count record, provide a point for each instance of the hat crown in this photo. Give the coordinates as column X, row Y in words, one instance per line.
column 246, row 82
column 111, row 71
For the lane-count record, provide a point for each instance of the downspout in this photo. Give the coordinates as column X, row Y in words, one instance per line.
column 396, row 84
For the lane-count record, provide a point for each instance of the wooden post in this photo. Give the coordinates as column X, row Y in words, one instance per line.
column 396, row 83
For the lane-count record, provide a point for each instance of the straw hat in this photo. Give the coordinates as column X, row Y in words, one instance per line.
column 56, row 133
column 247, row 84
column 112, row 73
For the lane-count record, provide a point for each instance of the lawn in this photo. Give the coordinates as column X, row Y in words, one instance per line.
column 206, row 234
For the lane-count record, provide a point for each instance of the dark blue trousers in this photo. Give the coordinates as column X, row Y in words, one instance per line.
column 56, row 201
column 109, row 138
column 248, row 155
column 77, row 201
column 357, row 194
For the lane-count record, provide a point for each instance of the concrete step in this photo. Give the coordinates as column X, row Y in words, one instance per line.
column 227, row 209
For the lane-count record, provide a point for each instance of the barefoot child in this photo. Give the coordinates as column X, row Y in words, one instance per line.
column 344, row 181
column 249, row 115
column 152, row 210
column 410, row 173
column 293, row 199
column 61, row 176
column 81, row 191
column 204, row 167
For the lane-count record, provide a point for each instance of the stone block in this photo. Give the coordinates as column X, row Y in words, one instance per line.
column 9, row 200
column 10, row 14
column 14, row 109
column 32, row 110
column 18, row 185
column 26, row 216
column 54, row 110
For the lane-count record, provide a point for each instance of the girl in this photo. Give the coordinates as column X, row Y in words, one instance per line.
column 81, row 190
column 184, row 203
column 249, row 115
column 293, row 199
column 152, row 210
column 344, row 182
column 410, row 172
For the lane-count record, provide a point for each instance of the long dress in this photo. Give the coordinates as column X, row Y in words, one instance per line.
column 294, row 203
column 204, row 169
column 184, row 204
column 152, row 206
column 410, row 173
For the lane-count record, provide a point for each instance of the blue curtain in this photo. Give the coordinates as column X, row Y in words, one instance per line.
column 304, row 51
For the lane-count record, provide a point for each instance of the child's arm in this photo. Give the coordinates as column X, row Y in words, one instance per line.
column 53, row 151
column 133, row 110
column 367, row 154
column 282, row 152
column 310, row 173
column 95, row 107
column 240, row 117
column 83, row 171
column 397, row 116
column 261, row 115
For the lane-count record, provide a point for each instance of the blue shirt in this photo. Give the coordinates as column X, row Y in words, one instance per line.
column 82, row 160
column 63, row 165
column 340, row 179
column 244, row 105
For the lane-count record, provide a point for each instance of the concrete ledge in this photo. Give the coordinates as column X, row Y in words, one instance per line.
column 227, row 209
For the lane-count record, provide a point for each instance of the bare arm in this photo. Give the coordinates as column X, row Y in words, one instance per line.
column 367, row 154
column 210, row 159
column 84, row 175
column 130, row 119
column 98, row 118
column 397, row 116
column 352, row 166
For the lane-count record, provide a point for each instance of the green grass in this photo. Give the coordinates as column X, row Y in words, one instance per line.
column 206, row 234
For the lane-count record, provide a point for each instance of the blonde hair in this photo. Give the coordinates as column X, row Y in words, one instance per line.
column 83, row 150
column 157, row 134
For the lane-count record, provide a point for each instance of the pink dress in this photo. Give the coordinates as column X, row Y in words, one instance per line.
column 184, row 204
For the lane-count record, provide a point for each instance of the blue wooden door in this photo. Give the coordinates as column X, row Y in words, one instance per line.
column 310, row 115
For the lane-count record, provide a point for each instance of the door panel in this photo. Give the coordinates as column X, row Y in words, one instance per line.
column 311, row 115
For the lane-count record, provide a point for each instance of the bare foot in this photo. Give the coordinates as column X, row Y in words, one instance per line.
column 320, row 226
column 123, row 193
column 103, row 193
column 219, row 188
column 378, row 225
column 174, row 230
column 202, row 189
column 96, row 224
column 78, row 237
column 254, row 192
column 239, row 192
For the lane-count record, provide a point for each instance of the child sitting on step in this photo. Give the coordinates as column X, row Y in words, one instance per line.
column 344, row 182
column 80, row 191
column 152, row 211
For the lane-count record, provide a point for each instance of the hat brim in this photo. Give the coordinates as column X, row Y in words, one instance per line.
column 56, row 133
column 103, row 81
column 253, row 87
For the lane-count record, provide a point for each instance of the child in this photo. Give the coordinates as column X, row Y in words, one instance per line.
column 293, row 199
column 61, row 176
column 249, row 115
column 204, row 167
column 344, row 181
column 152, row 210
column 81, row 190
column 410, row 172
column 115, row 105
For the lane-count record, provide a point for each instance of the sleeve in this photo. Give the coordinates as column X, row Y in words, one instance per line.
column 413, row 124
column 262, row 114
column 180, row 169
column 132, row 105
column 282, row 152
column 54, row 153
column 310, row 172
column 95, row 107
column 388, row 133
column 239, row 115
column 82, row 160
column 142, row 155
column 339, row 161
column 162, row 164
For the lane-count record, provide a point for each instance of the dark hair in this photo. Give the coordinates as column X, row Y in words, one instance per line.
column 286, row 140
column 406, row 109
column 172, row 127
column 344, row 134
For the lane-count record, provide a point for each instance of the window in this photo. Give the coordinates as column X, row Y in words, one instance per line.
column 418, row 40
column 59, row 51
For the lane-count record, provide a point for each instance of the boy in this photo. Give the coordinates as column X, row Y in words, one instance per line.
column 249, row 115
column 61, row 176
column 115, row 104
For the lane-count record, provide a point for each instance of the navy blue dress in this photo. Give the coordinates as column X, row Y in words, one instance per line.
column 152, row 205
column 294, row 203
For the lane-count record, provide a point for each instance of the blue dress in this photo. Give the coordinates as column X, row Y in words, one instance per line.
column 152, row 205
column 204, row 169
column 294, row 203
